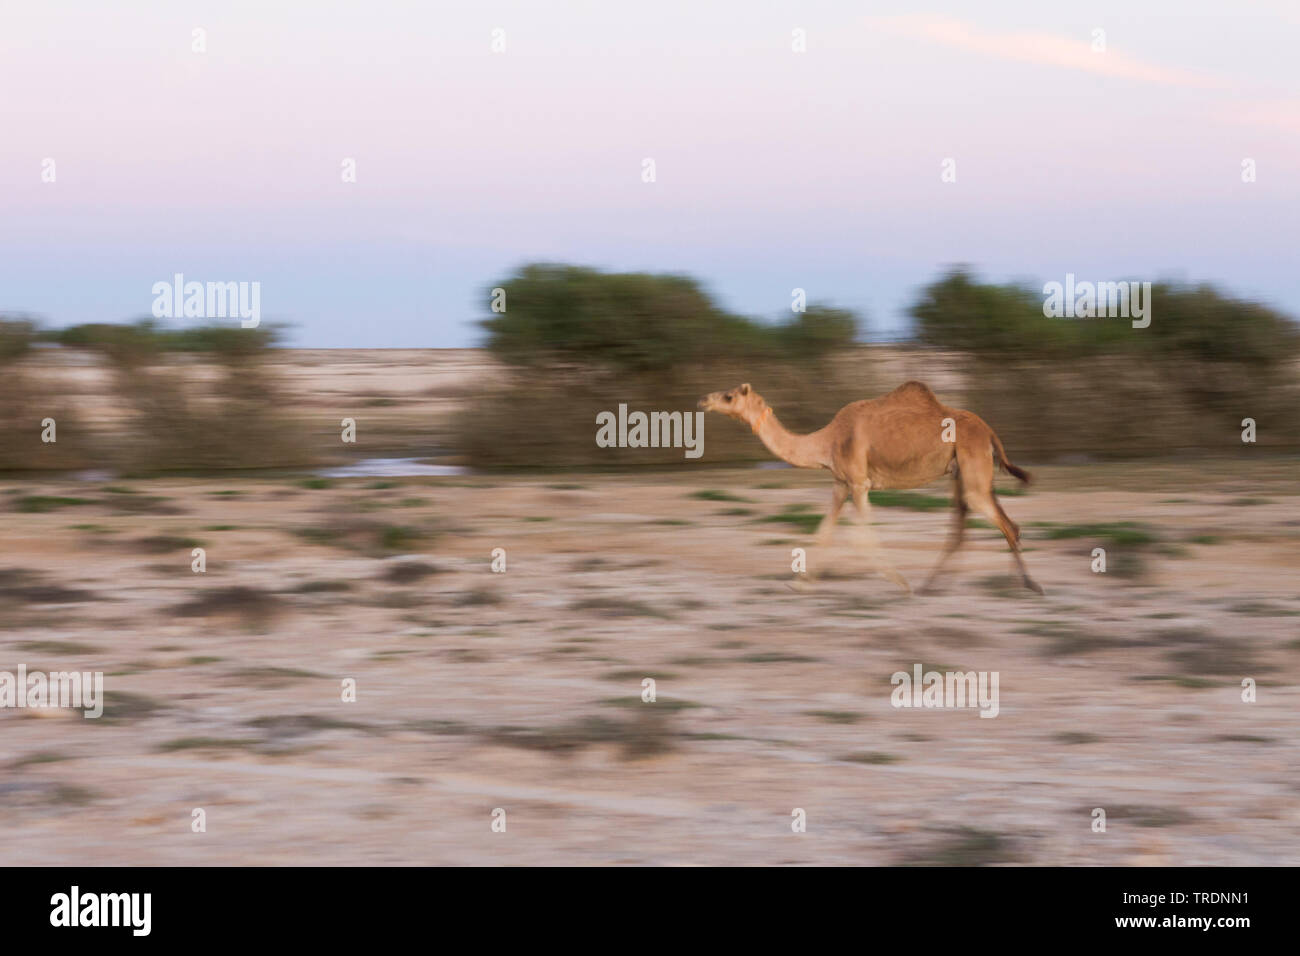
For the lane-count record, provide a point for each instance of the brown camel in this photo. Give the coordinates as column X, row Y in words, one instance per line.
column 904, row 439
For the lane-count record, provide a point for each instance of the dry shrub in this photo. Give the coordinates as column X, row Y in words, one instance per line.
column 190, row 418
column 27, row 398
column 546, row 418
column 1124, row 406
column 195, row 399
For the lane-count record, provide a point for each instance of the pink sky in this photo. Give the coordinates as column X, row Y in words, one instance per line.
column 774, row 169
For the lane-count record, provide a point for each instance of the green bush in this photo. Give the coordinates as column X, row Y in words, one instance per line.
column 1197, row 324
column 637, row 322
column 580, row 341
column 1060, row 386
column 144, row 339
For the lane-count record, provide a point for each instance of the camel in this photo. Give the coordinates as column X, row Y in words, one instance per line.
column 905, row 439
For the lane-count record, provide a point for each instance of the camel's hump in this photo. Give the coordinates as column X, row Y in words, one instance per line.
column 914, row 390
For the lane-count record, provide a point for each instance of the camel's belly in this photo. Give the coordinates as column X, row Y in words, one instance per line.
column 901, row 482
column 913, row 474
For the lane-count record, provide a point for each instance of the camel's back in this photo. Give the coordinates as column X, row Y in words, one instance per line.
column 911, row 394
column 909, row 399
column 900, row 432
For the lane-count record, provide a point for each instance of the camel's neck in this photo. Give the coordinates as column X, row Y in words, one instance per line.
column 802, row 451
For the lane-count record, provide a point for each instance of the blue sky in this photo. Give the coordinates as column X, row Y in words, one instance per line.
column 774, row 169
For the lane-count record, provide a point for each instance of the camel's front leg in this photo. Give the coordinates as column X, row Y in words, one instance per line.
column 839, row 495
column 878, row 560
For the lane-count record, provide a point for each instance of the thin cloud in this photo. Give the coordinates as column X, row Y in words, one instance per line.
column 1043, row 49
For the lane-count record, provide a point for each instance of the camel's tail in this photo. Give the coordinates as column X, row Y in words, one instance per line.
column 1001, row 455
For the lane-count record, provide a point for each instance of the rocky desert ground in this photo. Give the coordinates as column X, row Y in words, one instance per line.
column 517, row 694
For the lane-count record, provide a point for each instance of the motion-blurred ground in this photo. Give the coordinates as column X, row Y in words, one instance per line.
column 522, row 690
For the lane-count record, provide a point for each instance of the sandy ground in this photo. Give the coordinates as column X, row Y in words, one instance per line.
column 521, row 691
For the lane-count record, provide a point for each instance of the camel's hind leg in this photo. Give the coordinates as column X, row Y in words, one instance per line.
column 986, row 503
column 872, row 544
column 955, row 536
column 976, row 471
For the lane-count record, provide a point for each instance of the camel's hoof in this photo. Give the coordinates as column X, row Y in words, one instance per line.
column 799, row 585
column 1034, row 586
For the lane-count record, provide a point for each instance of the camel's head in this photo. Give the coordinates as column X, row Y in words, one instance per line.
column 741, row 402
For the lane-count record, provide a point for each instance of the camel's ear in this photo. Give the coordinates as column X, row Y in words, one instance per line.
column 744, row 389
